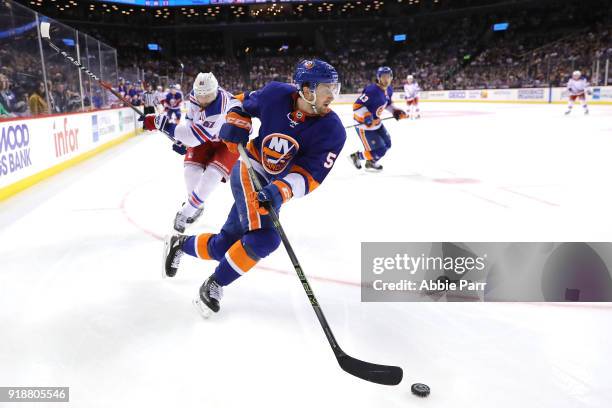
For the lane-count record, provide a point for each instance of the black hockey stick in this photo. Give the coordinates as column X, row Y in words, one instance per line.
column 359, row 124
column 380, row 374
column 44, row 32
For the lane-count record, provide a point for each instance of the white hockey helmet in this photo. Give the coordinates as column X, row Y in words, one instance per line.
column 577, row 74
column 205, row 84
column 409, row 78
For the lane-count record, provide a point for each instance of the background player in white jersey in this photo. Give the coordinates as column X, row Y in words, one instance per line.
column 577, row 87
column 208, row 160
column 160, row 96
column 411, row 94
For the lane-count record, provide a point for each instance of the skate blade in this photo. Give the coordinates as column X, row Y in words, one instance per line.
column 165, row 255
column 373, row 170
column 201, row 307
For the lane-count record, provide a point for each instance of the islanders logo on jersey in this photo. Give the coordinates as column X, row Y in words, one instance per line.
column 380, row 110
column 308, row 64
column 277, row 150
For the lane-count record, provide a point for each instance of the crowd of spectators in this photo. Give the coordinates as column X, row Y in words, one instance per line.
column 453, row 52
column 539, row 49
column 23, row 91
column 356, row 52
column 543, row 57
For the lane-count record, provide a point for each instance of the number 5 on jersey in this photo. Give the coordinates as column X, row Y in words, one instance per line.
column 330, row 160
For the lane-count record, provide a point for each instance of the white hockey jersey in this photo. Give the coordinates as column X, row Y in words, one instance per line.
column 160, row 96
column 411, row 91
column 207, row 122
column 204, row 124
column 577, row 87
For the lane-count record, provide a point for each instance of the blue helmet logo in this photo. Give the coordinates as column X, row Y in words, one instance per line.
column 383, row 70
column 308, row 64
column 314, row 72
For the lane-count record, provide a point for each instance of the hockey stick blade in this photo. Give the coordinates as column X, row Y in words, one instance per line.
column 376, row 373
column 44, row 29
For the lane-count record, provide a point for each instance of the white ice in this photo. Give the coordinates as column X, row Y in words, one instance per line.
column 82, row 302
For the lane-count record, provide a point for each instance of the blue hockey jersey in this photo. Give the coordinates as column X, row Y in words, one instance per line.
column 372, row 101
column 174, row 101
column 292, row 146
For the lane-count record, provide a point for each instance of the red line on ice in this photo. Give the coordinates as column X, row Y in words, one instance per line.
column 530, row 197
column 484, row 199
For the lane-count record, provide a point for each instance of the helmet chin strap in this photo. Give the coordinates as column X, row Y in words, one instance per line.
column 312, row 102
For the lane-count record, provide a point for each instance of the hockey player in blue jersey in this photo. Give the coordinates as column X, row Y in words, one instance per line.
column 367, row 111
column 299, row 140
column 173, row 102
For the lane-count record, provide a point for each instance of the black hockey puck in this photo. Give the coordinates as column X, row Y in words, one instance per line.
column 420, row 390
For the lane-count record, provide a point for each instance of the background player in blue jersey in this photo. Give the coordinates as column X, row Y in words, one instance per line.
column 367, row 111
column 299, row 140
column 173, row 103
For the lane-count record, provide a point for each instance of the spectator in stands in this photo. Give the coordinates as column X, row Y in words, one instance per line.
column 60, row 98
column 37, row 102
column 97, row 100
column 74, row 101
column 8, row 99
column 4, row 103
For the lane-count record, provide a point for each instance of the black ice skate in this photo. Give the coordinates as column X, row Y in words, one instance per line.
column 173, row 251
column 196, row 215
column 354, row 158
column 586, row 111
column 567, row 112
column 371, row 165
column 209, row 297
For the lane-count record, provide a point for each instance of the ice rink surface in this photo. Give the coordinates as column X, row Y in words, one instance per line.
column 82, row 302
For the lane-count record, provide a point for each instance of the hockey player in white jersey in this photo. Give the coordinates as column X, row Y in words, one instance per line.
column 411, row 94
column 577, row 87
column 160, row 96
column 208, row 161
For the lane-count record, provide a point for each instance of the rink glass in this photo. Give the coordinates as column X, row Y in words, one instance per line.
column 27, row 62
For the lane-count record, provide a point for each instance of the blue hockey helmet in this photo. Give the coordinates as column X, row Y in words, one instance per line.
column 383, row 70
column 314, row 72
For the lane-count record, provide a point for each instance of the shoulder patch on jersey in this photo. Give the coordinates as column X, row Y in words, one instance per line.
column 277, row 150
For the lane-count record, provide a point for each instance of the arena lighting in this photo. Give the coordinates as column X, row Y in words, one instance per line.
column 500, row 26
column 69, row 42
column 216, row 3
column 153, row 47
column 399, row 37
